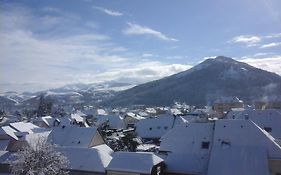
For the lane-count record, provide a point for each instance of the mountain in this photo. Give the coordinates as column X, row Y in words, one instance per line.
column 203, row 84
column 76, row 93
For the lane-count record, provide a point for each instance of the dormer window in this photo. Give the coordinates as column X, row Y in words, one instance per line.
column 205, row 145
column 267, row 129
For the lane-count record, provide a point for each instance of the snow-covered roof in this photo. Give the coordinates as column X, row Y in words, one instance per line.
column 101, row 112
column 143, row 114
column 9, row 131
column 73, row 136
column 135, row 116
column 4, row 144
column 114, row 121
column 4, row 156
column 48, row 120
column 269, row 118
column 175, row 111
column 145, row 147
column 184, row 146
column 33, row 138
column 130, row 114
column 64, row 121
column 223, row 147
column 241, row 147
column 77, row 117
column 94, row 159
column 135, row 162
column 150, row 110
column 241, row 161
column 24, row 127
column 158, row 126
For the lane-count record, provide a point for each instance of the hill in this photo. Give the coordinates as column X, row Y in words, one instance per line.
column 203, row 84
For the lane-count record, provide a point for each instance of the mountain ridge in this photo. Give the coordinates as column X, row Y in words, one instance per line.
column 202, row 84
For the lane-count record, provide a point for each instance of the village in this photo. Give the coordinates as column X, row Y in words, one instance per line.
column 122, row 87
column 229, row 137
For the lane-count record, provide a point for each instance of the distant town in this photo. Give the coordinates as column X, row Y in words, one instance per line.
column 229, row 137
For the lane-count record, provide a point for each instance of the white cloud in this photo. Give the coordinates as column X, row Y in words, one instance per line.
column 108, row 11
column 270, row 45
column 262, row 54
column 51, row 9
column 135, row 29
column 252, row 40
column 249, row 40
column 141, row 72
column 274, row 35
column 272, row 64
column 32, row 62
column 209, row 57
column 29, row 61
column 147, row 55
column 175, row 57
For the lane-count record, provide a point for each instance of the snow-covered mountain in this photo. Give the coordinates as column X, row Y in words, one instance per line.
column 203, row 84
column 105, row 86
column 69, row 94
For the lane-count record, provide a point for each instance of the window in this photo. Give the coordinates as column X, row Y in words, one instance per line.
column 267, row 129
column 165, row 127
column 150, row 129
column 205, row 145
column 225, row 144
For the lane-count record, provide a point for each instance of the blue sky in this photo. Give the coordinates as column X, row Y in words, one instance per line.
column 50, row 43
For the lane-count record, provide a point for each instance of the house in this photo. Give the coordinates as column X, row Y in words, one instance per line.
column 225, row 104
column 7, row 137
column 268, row 119
column 151, row 111
column 269, row 102
column 79, row 120
column 25, row 127
column 87, row 161
column 49, row 121
column 113, row 121
column 7, row 133
column 135, row 163
column 223, row 147
column 4, row 164
column 12, row 136
column 27, row 140
column 242, row 147
column 101, row 112
column 45, row 122
column 75, row 136
column 130, row 119
column 62, row 121
column 4, row 144
column 154, row 128
column 196, row 116
column 187, row 148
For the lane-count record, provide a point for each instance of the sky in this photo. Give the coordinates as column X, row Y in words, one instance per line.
column 49, row 43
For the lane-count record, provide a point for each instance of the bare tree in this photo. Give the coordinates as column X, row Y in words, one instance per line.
column 39, row 159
